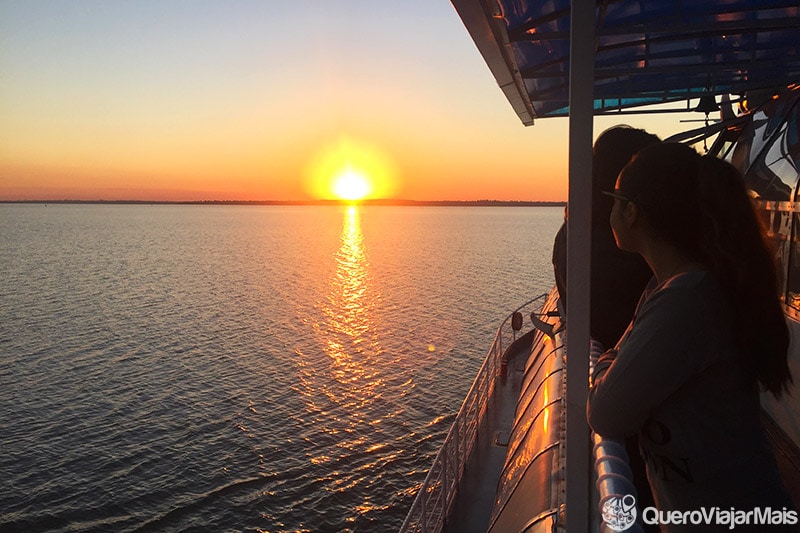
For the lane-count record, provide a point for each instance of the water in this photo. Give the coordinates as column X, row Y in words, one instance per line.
column 187, row 368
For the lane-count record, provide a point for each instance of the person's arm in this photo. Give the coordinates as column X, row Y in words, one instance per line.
column 654, row 360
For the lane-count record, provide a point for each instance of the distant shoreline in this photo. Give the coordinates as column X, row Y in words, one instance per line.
column 445, row 203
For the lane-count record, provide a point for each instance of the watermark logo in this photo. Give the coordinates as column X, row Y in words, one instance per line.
column 722, row 518
column 619, row 512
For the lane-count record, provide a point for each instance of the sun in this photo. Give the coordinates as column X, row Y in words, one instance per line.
column 351, row 185
column 350, row 170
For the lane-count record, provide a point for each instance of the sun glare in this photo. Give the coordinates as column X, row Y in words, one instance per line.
column 350, row 170
column 351, row 185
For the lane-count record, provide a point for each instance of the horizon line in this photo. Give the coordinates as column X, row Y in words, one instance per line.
column 375, row 201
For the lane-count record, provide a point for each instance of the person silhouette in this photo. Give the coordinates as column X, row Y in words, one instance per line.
column 617, row 277
column 709, row 329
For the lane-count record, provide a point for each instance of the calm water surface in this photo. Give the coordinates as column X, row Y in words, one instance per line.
column 179, row 368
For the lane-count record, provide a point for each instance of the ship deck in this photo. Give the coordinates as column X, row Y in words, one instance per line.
column 473, row 507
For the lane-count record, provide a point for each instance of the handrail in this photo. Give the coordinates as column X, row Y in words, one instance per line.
column 437, row 493
column 617, row 496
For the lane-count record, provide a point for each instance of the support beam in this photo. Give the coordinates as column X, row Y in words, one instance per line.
column 581, row 73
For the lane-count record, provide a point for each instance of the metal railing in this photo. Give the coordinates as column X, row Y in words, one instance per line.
column 613, row 476
column 429, row 510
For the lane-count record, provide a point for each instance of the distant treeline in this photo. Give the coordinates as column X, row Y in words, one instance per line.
column 454, row 203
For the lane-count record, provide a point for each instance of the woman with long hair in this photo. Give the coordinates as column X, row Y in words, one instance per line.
column 708, row 333
column 617, row 277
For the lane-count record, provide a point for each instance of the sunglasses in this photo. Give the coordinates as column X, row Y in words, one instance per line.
column 617, row 196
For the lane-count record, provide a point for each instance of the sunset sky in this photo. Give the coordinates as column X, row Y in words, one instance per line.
column 262, row 100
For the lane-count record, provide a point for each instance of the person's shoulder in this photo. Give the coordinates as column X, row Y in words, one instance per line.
column 695, row 288
column 693, row 280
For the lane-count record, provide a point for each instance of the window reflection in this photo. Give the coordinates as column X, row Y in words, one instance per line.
column 788, row 165
column 773, row 178
column 777, row 224
column 793, row 277
column 758, row 133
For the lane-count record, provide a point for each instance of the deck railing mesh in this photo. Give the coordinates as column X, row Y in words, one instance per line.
column 436, row 495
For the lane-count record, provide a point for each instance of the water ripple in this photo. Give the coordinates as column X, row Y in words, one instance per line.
column 234, row 369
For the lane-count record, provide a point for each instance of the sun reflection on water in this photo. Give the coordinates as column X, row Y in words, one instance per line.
column 344, row 389
column 348, row 313
column 355, row 381
column 350, row 341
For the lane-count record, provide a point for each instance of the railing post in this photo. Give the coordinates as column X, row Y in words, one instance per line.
column 500, row 342
column 424, row 507
column 462, row 437
column 444, row 477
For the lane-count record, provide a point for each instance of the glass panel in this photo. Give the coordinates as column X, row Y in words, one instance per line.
column 778, row 231
column 793, row 277
column 787, row 165
column 773, row 177
column 758, row 132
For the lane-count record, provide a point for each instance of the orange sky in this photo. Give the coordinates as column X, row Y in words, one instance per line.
column 240, row 100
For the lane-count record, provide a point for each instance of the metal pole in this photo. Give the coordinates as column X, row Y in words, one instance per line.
column 445, row 488
column 581, row 94
column 424, row 508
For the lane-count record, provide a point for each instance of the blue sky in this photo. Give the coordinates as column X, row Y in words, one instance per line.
column 232, row 100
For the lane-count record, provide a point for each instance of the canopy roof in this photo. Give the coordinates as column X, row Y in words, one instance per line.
column 646, row 51
column 625, row 54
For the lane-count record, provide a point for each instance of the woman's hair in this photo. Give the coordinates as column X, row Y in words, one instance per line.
column 700, row 205
column 612, row 150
